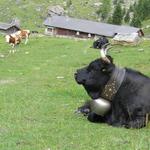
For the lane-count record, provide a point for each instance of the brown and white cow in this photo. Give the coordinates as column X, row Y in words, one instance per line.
column 13, row 40
column 23, row 34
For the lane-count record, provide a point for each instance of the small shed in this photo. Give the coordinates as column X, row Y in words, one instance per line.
column 126, row 39
column 73, row 27
column 6, row 28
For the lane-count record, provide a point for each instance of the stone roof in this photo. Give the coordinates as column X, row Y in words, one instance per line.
column 88, row 26
column 5, row 26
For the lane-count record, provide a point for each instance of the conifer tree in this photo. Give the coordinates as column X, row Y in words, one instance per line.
column 105, row 9
column 127, row 17
column 115, row 2
column 109, row 20
column 69, row 3
column 142, row 9
column 117, row 15
column 136, row 22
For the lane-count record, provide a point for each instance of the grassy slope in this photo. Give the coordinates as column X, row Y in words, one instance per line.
column 27, row 11
column 37, row 109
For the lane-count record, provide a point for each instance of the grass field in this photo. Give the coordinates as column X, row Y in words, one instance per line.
column 38, row 97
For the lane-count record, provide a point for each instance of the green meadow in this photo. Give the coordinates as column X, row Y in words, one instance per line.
column 38, row 97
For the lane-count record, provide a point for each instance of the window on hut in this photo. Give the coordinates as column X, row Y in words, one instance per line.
column 49, row 29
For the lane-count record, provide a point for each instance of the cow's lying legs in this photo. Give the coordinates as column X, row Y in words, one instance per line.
column 137, row 119
column 85, row 109
column 26, row 39
column 92, row 117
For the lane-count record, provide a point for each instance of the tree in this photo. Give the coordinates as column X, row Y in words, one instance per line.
column 121, row 1
column 109, row 20
column 142, row 9
column 117, row 15
column 115, row 2
column 136, row 22
column 131, row 8
column 105, row 9
column 68, row 3
column 139, row 9
column 127, row 17
column 123, row 12
column 98, row 12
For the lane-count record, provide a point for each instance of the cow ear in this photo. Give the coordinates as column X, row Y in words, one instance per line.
column 109, row 68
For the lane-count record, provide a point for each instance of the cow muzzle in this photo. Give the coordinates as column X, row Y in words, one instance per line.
column 80, row 77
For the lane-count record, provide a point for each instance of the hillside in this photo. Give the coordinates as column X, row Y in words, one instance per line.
column 32, row 13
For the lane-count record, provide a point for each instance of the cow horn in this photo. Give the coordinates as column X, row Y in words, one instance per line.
column 106, row 60
column 103, row 53
column 103, row 56
column 105, row 45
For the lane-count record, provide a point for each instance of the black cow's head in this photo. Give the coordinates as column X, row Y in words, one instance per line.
column 94, row 76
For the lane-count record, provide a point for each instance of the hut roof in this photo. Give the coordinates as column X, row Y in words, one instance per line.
column 88, row 26
column 6, row 26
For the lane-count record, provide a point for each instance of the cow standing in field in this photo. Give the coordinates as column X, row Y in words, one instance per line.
column 23, row 34
column 13, row 40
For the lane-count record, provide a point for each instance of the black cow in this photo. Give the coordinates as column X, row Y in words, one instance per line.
column 99, row 43
column 131, row 102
